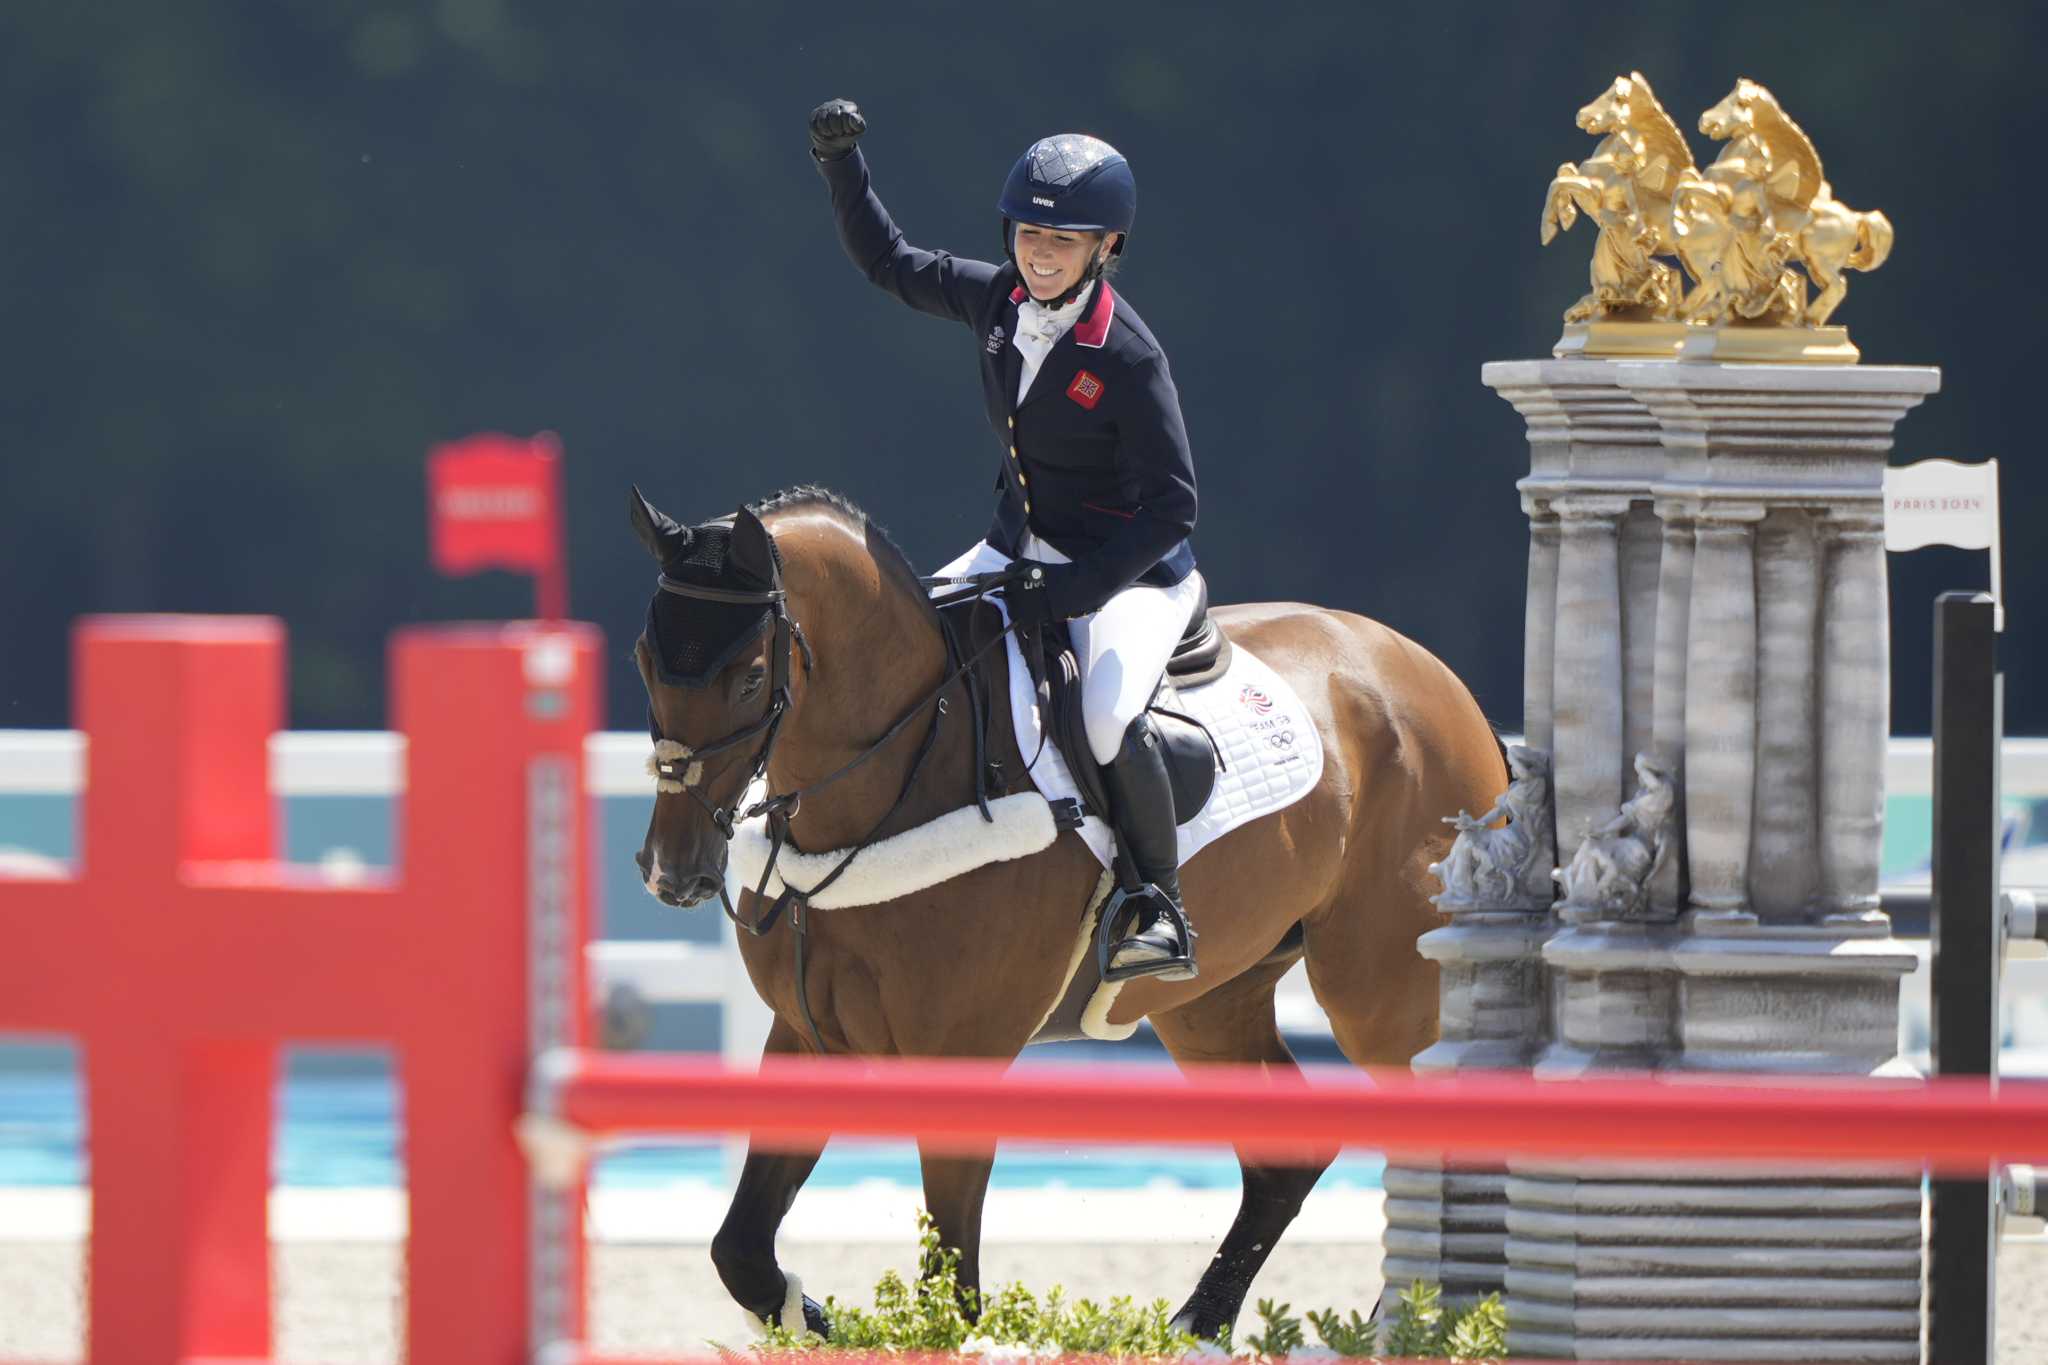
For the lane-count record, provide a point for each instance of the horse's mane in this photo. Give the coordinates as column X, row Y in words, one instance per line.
column 1660, row 132
column 1787, row 137
column 810, row 497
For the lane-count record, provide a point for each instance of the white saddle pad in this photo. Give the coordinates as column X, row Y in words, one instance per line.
column 1271, row 751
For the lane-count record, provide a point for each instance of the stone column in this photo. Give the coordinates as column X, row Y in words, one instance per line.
column 1720, row 710
column 1641, row 556
column 1588, row 696
column 1761, row 945
column 1670, row 886
column 1855, row 716
column 1785, row 832
column 1539, row 624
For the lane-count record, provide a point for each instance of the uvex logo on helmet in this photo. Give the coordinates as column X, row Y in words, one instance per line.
column 1042, row 201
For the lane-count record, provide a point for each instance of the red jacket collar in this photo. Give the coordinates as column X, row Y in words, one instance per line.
column 1093, row 330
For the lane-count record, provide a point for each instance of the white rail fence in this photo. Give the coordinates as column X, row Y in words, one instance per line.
column 372, row 763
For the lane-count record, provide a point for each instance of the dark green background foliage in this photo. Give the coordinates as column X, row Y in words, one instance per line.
column 256, row 257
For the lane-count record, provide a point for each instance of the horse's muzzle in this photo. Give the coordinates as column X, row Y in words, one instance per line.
column 694, row 891
column 681, row 892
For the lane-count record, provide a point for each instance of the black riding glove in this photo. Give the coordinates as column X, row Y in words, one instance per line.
column 835, row 126
column 1041, row 593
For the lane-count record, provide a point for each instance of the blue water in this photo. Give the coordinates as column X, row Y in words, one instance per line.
column 344, row 1131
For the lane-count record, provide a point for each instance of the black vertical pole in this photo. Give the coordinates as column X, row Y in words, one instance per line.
column 1968, row 724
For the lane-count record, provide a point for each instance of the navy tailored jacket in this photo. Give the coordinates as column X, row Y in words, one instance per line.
column 1095, row 459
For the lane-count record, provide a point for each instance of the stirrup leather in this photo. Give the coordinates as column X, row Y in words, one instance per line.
column 1166, row 936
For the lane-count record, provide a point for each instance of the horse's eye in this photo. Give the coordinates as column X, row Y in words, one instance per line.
column 752, row 684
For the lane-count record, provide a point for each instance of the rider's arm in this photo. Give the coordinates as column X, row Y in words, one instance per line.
column 934, row 282
column 1158, row 477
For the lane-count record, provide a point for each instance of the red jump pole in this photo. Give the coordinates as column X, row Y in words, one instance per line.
column 1474, row 1116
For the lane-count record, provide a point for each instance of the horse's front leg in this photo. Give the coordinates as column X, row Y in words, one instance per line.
column 955, row 1185
column 1561, row 203
column 744, row 1249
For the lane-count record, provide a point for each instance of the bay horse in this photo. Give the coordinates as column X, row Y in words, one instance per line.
column 818, row 647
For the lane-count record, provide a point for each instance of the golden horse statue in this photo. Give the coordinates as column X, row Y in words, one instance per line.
column 1626, row 187
column 1763, row 205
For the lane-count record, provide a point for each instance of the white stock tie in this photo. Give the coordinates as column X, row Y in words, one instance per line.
column 1038, row 327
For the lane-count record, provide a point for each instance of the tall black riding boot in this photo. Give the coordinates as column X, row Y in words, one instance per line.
column 1155, row 938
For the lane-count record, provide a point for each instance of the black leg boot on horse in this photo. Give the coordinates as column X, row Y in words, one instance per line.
column 744, row 1248
column 1151, row 929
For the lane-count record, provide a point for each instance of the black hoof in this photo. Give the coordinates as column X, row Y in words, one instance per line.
column 815, row 1319
column 1200, row 1323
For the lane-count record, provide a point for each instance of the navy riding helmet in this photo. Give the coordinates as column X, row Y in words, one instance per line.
column 1075, row 183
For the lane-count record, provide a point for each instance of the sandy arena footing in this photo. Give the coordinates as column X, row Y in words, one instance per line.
column 342, row 1303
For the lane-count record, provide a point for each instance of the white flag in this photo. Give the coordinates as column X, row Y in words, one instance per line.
column 1941, row 502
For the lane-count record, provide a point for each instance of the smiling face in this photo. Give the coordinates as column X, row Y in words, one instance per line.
column 1052, row 260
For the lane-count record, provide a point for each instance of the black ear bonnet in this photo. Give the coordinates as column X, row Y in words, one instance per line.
column 693, row 639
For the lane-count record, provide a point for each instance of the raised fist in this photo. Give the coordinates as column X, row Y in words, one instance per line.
column 835, row 126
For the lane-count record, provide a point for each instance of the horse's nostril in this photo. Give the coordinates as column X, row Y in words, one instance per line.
column 702, row 887
column 666, row 891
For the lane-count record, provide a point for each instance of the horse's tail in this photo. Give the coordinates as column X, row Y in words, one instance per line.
column 1873, row 241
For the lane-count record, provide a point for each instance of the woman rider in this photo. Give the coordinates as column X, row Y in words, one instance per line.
column 1096, row 484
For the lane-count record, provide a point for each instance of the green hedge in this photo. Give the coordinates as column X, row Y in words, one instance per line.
column 932, row 1315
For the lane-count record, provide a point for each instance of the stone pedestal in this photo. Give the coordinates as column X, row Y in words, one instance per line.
column 1707, row 590
column 1450, row 1226
column 1664, row 1264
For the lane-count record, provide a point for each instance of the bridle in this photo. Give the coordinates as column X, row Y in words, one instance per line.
column 680, row 767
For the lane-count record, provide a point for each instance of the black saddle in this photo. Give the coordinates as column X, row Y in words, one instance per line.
column 1192, row 757
column 1203, row 654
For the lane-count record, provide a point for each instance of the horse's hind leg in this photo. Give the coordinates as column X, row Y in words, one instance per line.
column 1234, row 1023
column 1380, row 993
column 1834, row 287
column 744, row 1249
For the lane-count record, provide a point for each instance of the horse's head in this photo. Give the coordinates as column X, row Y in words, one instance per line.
column 1610, row 113
column 1736, row 114
column 714, row 659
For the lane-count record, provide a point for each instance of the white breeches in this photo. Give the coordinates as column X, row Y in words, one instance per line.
column 1122, row 648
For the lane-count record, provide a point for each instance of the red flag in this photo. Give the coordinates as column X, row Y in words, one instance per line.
column 494, row 502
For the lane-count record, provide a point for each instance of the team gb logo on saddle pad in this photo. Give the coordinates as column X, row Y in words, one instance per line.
column 1085, row 390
